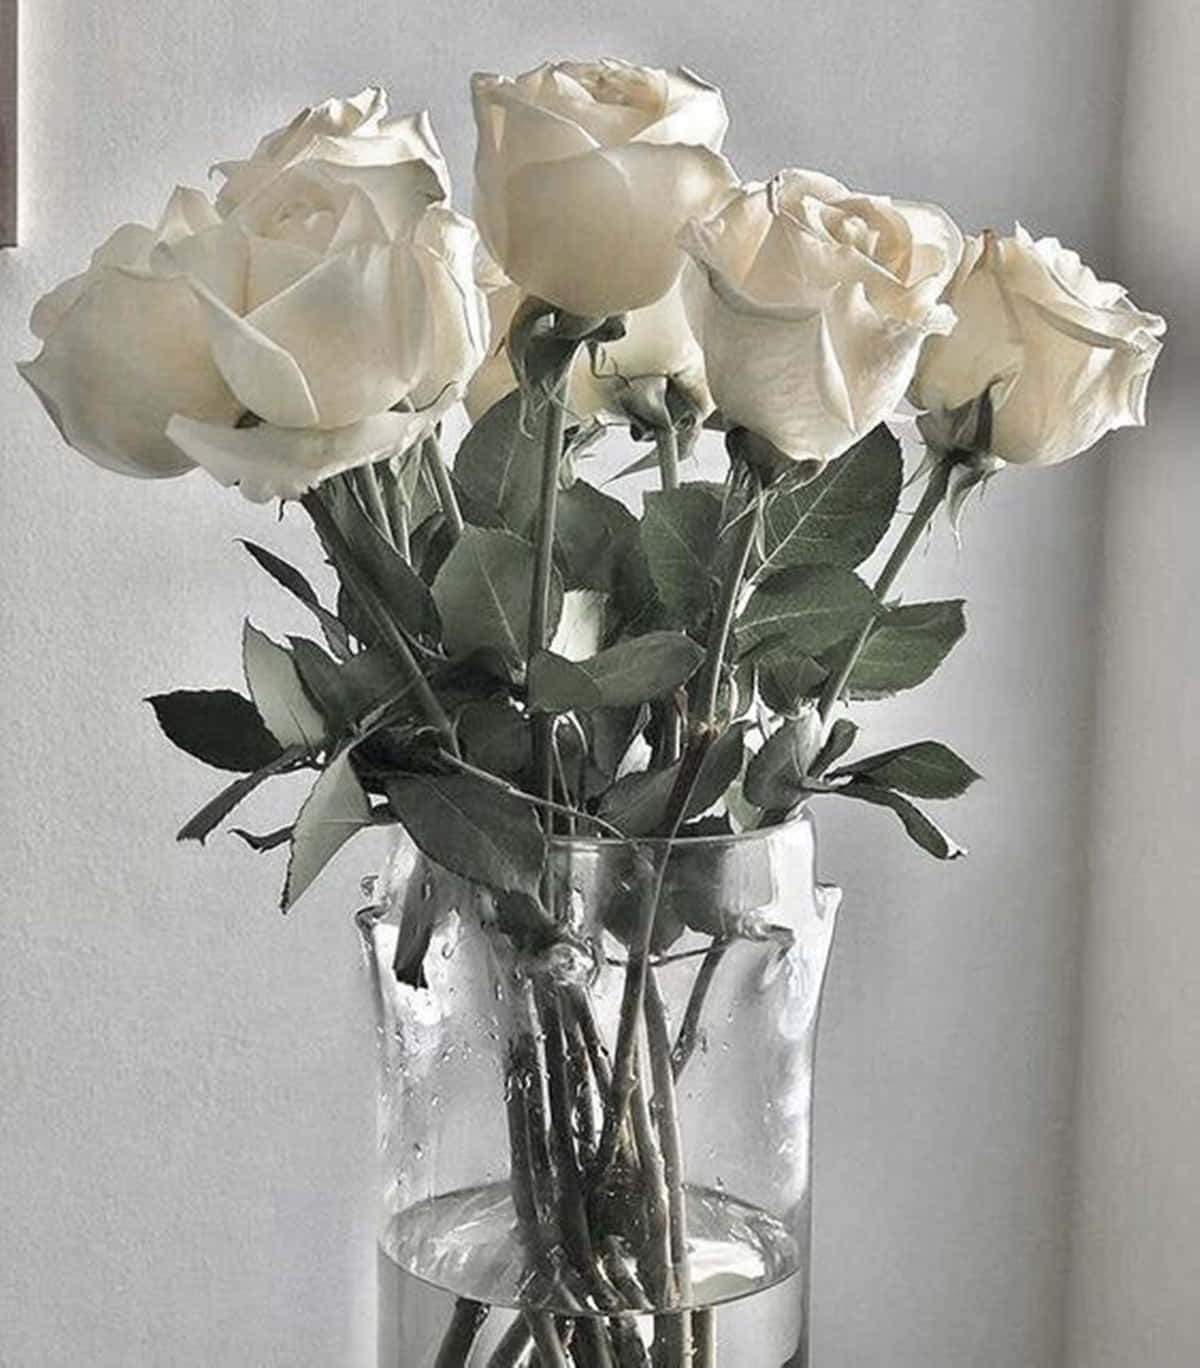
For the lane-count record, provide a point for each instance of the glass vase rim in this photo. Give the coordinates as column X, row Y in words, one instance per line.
column 802, row 816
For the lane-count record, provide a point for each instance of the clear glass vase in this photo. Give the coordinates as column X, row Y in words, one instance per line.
column 595, row 1140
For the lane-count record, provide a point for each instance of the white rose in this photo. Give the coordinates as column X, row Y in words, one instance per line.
column 627, row 377
column 1067, row 357
column 332, row 301
column 811, row 303
column 584, row 173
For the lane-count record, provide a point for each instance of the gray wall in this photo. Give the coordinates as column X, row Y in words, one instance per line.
column 186, row 1127
column 1136, row 1285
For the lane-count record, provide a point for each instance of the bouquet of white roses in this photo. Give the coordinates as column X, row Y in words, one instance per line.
column 513, row 652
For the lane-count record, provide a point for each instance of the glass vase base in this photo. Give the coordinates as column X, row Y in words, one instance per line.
column 451, row 1271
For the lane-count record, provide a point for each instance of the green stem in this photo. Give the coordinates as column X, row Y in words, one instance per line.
column 678, row 1330
column 689, row 1027
column 931, row 499
column 731, row 591
column 431, row 454
column 667, row 441
column 368, row 489
column 359, row 584
column 539, row 602
column 668, row 457
column 461, row 1334
column 552, row 446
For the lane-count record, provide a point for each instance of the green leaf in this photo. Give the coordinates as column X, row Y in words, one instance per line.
column 631, row 672
column 612, row 732
column 841, row 737
column 278, row 694
column 906, row 646
column 786, row 681
column 840, row 517
column 638, row 802
column 594, row 534
column 927, row 834
column 345, row 692
column 924, row 769
column 217, row 809
column 775, row 776
column 334, row 811
column 472, row 829
column 499, row 466
column 403, row 593
column 680, row 535
column 217, row 726
column 803, row 610
column 295, row 583
column 483, row 593
column 261, row 844
column 495, row 737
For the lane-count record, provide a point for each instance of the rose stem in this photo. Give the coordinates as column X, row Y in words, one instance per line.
column 667, row 442
column 668, row 456
column 666, row 1105
column 465, row 1325
column 368, row 599
column 689, row 1027
column 539, row 600
column 702, row 727
column 431, row 454
column 666, row 1109
column 372, row 501
column 572, row 1208
column 514, row 1346
column 654, row 1260
column 601, row 1341
column 545, row 1336
column 704, row 1334
column 935, row 492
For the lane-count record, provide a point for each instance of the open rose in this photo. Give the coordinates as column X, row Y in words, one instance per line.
column 327, row 308
column 585, row 171
column 1065, row 357
column 626, row 378
column 811, row 302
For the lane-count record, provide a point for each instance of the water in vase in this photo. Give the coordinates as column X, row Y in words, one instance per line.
column 451, row 1271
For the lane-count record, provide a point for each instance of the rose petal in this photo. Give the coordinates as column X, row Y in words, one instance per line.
column 626, row 256
column 353, row 327
column 695, row 113
column 263, row 375
column 283, row 463
column 216, row 258
column 128, row 353
column 457, row 336
column 130, row 245
column 188, row 212
column 777, row 375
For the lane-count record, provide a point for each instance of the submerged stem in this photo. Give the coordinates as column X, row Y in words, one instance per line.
column 461, row 1334
column 689, row 1027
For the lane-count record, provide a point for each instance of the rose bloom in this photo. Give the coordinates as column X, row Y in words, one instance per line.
column 627, row 378
column 585, row 172
column 1066, row 357
column 811, row 302
column 328, row 294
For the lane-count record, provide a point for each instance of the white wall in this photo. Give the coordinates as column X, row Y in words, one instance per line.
column 185, row 1132
column 1136, row 1289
